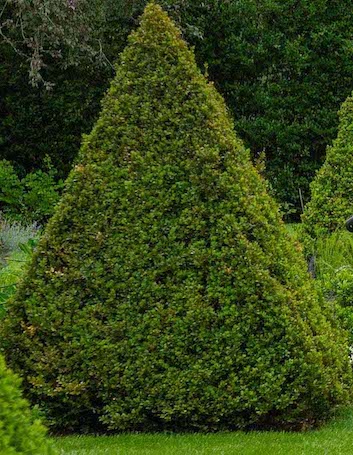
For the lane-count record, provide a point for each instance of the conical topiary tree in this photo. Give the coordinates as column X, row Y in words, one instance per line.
column 332, row 189
column 20, row 431
column 164, row 293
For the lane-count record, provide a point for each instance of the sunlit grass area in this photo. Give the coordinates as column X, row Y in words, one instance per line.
column 335, row 438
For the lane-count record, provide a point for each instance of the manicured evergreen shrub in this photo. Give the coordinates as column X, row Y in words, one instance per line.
column 165, row 292
column 332, row 189
column 20, row 431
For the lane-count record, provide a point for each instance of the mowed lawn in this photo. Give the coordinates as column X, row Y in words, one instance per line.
column 335, row 438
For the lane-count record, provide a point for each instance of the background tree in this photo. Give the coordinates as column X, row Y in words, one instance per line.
column 283, row 66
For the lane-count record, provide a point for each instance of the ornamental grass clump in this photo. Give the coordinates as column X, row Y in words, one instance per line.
column 332, row 189
column 165, row 293
column 20, row 431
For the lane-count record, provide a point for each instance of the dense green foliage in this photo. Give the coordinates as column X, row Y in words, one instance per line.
column 20, row 432
column 36, row 123
column 332, row 190
column 32, row 198
column 165, row 292
column 283, row 66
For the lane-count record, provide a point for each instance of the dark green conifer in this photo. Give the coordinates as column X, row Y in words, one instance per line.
column 165, row 293
column 20, row 432
column 332, row 189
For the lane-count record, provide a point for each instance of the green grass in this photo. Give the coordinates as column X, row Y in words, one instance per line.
column 10, row 274
column 335, row 438
column 17, row 241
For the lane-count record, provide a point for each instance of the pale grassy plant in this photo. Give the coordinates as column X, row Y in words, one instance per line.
column 333, row 254
column 14, row 233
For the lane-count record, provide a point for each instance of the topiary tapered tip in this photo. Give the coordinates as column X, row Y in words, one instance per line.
column 331, row 201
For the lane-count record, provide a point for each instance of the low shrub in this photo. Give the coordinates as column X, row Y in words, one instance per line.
column 13, row 234
column 32, row 198
column 10, row 186
column 41, row 193
column 21, row 432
